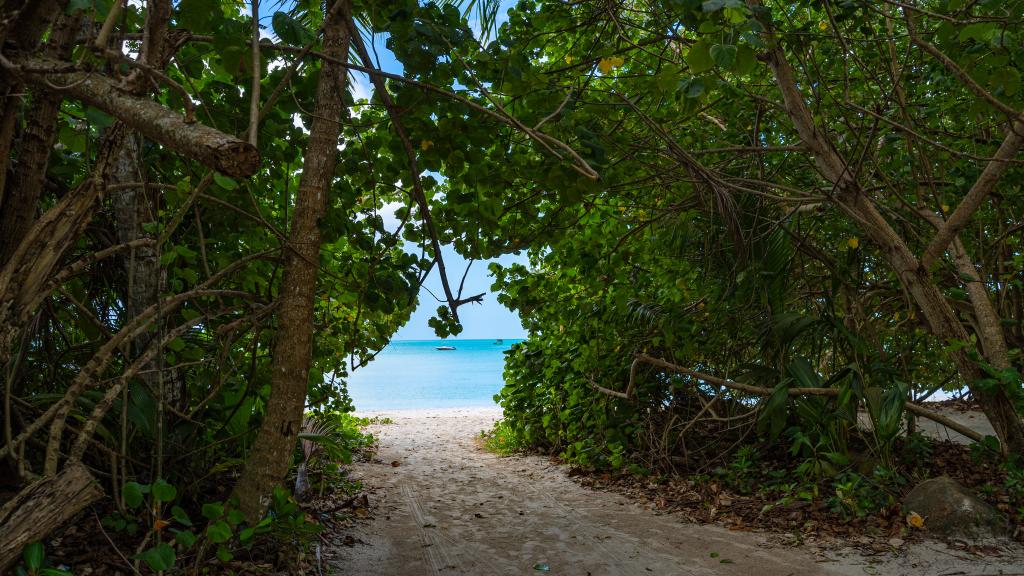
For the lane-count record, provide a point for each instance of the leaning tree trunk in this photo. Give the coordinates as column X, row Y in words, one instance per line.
column 272, row 452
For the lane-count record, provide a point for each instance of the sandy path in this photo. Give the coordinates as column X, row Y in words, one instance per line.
column 450, row 507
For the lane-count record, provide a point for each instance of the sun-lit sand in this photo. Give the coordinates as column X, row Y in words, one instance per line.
column 443, row 505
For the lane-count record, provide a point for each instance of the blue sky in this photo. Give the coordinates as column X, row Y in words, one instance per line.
column 479, row 321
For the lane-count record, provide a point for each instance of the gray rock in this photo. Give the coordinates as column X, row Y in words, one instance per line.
column 949, row 509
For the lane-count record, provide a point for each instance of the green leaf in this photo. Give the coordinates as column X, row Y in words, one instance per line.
column 223, row 554
column 76, row 5
column 176, row 344
column 235, row 517
column 159, row 558
column 724, row 55
column 746, row 60
column 185, row 538
column 224, row 181
column 179, row 514
column 804, row 374
column 699, row 58
column 33, row 556
column 219, row 531
column 198, row 15
column 132, row 493
column 213, row 511
column 98, row 118
column 694, row 88
column 1010, row 81
column 716, row 5
column 980, row 31
column 163, row 492
column 290, row 30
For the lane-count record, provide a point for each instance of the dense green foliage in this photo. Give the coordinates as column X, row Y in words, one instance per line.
column 722, row 201
column 165, row 385
column 713, row 240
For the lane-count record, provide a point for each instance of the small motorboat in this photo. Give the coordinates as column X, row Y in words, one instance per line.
column 445, row 348
column 499, row 341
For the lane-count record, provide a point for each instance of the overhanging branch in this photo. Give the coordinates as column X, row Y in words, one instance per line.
column 202, row 143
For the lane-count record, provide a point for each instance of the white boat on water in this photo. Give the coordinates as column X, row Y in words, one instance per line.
column 445, row 348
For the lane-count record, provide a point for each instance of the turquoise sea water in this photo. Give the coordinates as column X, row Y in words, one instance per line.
column 414, row 374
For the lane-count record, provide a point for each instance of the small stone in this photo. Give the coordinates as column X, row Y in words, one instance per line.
column 896, row 542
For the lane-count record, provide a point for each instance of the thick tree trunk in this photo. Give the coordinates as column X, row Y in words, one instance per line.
column 42, row 507
column 21, row 198
column 207, row 145
column 272, row 452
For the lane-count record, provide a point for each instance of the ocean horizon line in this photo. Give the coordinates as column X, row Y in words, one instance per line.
column 456, row 339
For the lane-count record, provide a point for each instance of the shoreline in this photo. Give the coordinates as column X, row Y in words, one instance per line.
column 432, row 412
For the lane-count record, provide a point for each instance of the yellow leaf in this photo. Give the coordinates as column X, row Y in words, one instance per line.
column 605, row 65
column 617, row 61
column 945, row 207
column 160, row 524
column 916, row 520
column 823, row 26
column 853, row 242
column 568, row 59
column 426, row 144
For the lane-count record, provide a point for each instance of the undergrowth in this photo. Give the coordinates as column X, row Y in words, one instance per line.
column 503, row 439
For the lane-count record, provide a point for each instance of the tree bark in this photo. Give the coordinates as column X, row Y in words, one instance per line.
column 202, row 143
column 275, row 444
column 136, row 206
column 21, row 199
column 42, row 507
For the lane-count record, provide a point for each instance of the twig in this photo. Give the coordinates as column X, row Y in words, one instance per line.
column 114, row 546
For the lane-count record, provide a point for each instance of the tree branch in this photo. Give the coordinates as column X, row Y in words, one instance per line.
column 830, row 392
column 202, row 143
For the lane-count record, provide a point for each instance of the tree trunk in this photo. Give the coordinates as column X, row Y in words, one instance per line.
column 21, row 199
column 136, row 206
column 133, row 208
column 43, row 506
column 275, row 444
